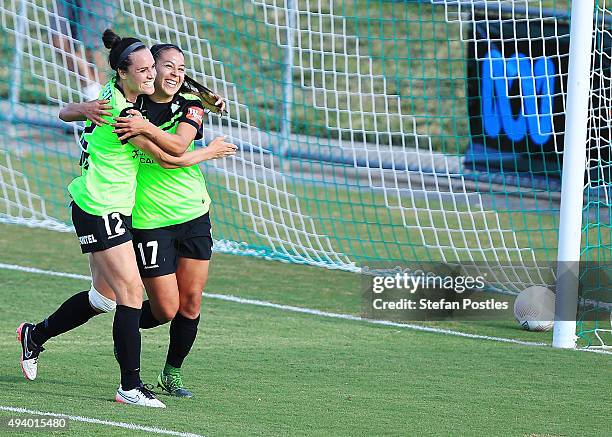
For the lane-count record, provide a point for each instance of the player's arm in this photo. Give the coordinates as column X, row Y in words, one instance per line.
column 163, row 158
column 175, row 144
column 94, row 111
column 217, row 148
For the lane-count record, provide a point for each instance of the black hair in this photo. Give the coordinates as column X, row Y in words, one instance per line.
column 120, row 49
column 190, row 85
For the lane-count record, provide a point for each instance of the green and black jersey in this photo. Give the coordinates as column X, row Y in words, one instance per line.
column 108, row 166
column 167, row 197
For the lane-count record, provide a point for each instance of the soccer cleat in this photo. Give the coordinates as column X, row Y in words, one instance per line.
column 172, row 383
column 29, row 351
column 141, row 395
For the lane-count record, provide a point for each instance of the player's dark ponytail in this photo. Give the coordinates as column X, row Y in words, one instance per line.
column 192, row 86
column 120, row 49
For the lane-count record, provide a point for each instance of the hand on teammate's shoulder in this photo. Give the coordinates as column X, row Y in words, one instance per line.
column 132, row 124
column 95, row 110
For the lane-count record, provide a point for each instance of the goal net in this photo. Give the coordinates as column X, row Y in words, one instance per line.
column 368, row 131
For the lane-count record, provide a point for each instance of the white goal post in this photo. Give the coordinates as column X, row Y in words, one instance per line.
column 572, row 185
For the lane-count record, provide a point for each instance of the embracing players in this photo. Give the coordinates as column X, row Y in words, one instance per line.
column 104, row 197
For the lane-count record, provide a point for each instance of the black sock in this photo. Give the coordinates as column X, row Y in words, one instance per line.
column 72, row 313
column 183, row 333
column 126, row 337
column 147, row 319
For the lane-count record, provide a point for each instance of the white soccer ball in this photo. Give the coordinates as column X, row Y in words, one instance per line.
column 534, row 308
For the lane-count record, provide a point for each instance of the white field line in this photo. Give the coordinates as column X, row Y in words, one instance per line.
column 314, row 312
column 366, row 320
column 131, row 426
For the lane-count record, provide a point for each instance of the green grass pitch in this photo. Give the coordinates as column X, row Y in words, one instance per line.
column 263, row 371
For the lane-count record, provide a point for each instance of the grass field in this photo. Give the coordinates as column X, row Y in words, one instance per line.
column 264, row 371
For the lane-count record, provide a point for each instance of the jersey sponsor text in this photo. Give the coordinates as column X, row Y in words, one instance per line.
column 87, row 239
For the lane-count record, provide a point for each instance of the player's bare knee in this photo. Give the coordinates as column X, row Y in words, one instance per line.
column 164, row 311
column 166, row 317
column 129, row 294
column 166, row 314
column 191, row 305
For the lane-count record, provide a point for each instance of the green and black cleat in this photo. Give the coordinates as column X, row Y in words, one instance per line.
column 172, row 383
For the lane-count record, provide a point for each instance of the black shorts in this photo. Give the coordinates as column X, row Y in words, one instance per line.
column 98, row 233
column 158, row 250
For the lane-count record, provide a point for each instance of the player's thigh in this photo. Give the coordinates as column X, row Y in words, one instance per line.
column 156, row 256
column 194, row 250
column 191, row 276
column 99, row 282
column 117, row 267
column 163, row 296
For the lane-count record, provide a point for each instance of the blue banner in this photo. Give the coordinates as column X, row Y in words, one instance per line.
column 516, row 79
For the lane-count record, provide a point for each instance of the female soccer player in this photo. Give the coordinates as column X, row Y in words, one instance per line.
column 172, row 231
column 180, row 114
column 103, row 198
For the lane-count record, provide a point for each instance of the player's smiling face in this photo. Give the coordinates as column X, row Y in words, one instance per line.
column 170, row 66
column 139, row 78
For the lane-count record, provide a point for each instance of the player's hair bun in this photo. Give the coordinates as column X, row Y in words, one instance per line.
column 120, row 49
column 110, row 39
